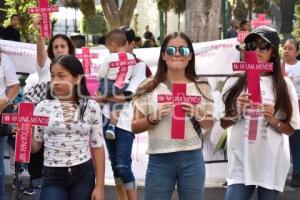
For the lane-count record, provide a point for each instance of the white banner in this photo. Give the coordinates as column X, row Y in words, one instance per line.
column 212, row 58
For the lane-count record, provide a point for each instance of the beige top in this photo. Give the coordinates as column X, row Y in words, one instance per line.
column 160, row 140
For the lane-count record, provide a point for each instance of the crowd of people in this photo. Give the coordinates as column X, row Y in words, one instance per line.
column 67, row 156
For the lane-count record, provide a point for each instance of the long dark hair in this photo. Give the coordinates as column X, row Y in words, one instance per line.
column 65, row 38
column 282, row 98
column 162, row 67
column 74, row 66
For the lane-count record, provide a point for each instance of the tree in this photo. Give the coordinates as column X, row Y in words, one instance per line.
column 117, row 16
column 87, row 7
column 179, row 8
column 20, row 7
column 287, row 8
column 165, row 6
column 239, row 9
column 95, row 24
column 202, row 19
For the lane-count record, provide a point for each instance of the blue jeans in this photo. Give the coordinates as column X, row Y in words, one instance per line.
column 244, row 192
column 119, row 151
column 186, row 168
column 295, row 150
column 3, row 141
column 64, row 183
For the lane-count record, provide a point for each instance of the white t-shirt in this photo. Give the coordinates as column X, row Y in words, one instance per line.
column 68, row 145
column 293, row 71
column 44, row 72
column 108, row 72
column 265, row 161
column 125, row 117
column 8, row 76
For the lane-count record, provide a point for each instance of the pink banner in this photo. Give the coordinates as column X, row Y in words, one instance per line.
column 241, row 36
column 24, row 120
column 44, row 9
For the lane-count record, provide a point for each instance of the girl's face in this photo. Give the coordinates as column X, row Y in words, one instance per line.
column 177, row 54
column 289, row 52
column 63, row 82
column 60, row 47
column 264, row 53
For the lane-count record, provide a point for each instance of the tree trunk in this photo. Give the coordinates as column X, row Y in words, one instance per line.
column 287, row 8
column 202, row 19
column 116, row 17
column 178, row 25
column 166, row 23
column 250, row 8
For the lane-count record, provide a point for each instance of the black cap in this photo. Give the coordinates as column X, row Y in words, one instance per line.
column 266, row 33
column 129, row 32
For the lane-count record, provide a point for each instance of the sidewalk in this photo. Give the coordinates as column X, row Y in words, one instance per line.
column 211, row 193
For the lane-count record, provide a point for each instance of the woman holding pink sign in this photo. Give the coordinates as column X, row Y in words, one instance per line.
column 174, row 161
column 258, row 146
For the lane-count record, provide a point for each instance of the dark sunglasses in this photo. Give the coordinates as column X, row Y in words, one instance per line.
column 183, row 51
column 263, row 46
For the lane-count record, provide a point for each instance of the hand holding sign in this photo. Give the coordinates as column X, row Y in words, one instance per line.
column 24, row 120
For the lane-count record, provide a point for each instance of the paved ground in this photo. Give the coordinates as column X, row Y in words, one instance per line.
column 210, row 193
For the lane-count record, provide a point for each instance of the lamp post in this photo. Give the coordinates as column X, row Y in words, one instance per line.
column 225, row 18
column 161, row 27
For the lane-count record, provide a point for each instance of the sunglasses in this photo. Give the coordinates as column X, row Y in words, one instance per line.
column 183, row 51
column 263, row 46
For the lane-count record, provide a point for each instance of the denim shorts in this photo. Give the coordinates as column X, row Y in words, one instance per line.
column 184, row 168
column 64, row 183
column 119, row 151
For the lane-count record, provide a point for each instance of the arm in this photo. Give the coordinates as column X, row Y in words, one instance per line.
column 35, row 145
column 11, row 94
column 141, row 123
column 41, row 51
column 99, row 162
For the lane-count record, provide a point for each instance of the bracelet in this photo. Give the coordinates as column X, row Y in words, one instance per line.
column 199, row 119
column 153, row 122
column 278, row 124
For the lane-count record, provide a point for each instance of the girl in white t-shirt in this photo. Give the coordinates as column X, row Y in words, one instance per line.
column 262, row 161
column 173, row 161
column 292, row 70
column 73, row 133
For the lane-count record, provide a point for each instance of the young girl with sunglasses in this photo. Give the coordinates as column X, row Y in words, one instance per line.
column 292, row 69
column 73, row 133
column 262, row 162
column 173, row 161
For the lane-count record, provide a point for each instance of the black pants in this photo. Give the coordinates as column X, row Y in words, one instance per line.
column 35, row 167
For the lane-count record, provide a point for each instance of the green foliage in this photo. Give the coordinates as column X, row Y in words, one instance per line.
column 179, row 6
column 296, row 32
column 261, row 6
column 95, row 24
column 20, row 7
column 87, row 7
column 238, row 9
column 165, row 5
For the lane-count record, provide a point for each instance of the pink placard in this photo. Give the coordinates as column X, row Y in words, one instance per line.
column 86, row 57
column 261, row 20
column 44, row 9
column 178, row 115
column 123, row 64
column 92, row 85
column 24, row 120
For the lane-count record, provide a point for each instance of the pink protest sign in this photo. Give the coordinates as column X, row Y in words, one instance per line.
column 241, row 36
column 24, row 120
column 178, row 115
column 123, row 65
column 86, row 57
column 253, row 68
column 44, row 9
column 261, row 20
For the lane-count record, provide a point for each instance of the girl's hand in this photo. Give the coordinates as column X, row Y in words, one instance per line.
column 14, row 131
column 99, row 98
column 163, row 110
column 98, row 194
column 192, row 110
column 268, row 112
column 37, row 22
column 243, row 102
